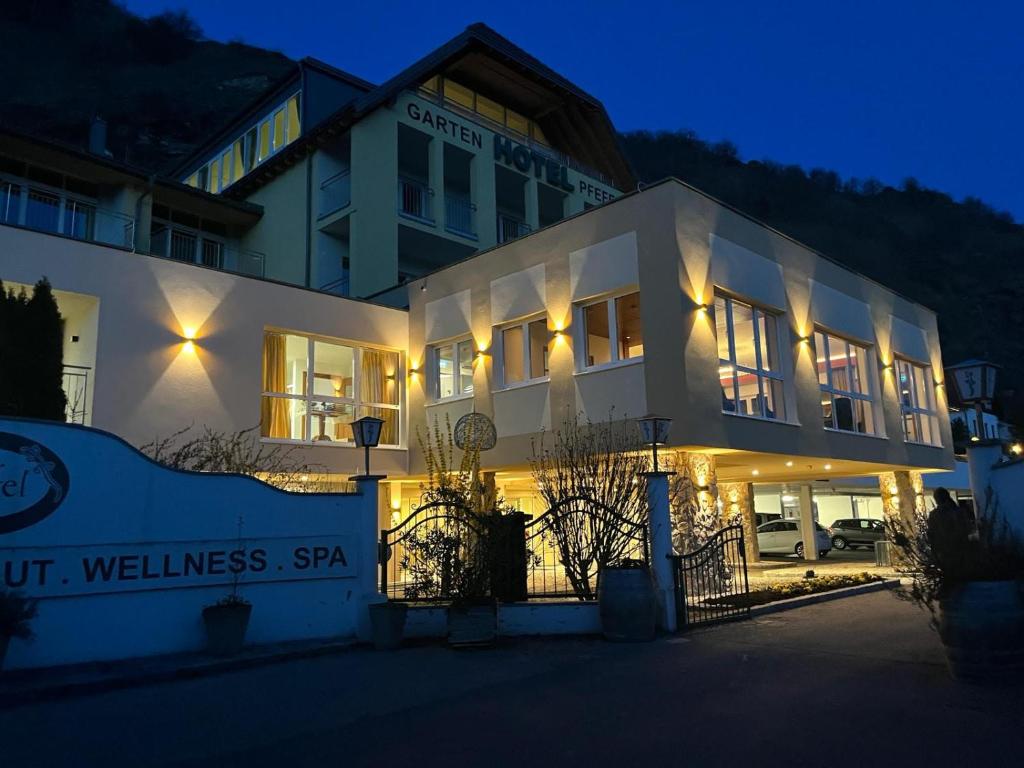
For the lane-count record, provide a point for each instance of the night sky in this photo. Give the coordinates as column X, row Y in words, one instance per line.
column 929, row 89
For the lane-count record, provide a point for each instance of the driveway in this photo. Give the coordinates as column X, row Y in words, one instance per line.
column 851, row 682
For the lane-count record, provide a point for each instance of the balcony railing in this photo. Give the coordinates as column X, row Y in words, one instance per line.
column 460, row 215
column 414, row 200
column 510, row 228
column 195, row 247
column 76, row 391
column 335, row 193
column 53, row 211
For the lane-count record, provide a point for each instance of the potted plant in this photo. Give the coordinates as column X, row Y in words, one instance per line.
column 226, row 623
column 387, row 624
column 627, row 602
column 973, row 587
column 16, row 614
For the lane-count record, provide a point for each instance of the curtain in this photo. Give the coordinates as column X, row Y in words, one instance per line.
column 379, row 384
column 274, row 410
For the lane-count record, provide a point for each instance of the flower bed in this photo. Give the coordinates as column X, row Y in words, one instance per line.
column 794, row 589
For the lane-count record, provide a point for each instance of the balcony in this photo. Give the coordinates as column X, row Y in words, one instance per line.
column 415, row 201
column 510, row 228
column 460, row 216
column 195, row 247
column 56, row 212
column 335, row 193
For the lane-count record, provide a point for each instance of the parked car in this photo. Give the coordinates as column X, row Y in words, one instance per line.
column 855, row 533
column 782, row 537
column 766, row 517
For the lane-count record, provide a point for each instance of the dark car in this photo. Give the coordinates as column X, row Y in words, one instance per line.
column 851, row 533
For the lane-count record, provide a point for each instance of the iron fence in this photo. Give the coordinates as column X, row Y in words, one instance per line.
column 711, row 582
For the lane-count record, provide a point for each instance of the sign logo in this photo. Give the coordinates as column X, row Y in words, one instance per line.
column 33, row 482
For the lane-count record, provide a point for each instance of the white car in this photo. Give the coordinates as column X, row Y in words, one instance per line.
column 782, row 537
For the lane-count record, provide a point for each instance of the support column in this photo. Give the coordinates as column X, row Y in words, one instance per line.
column 902, row 496
column 532, row 204
column 738, row 499
column 368, row 551
column 660, row 529
column 484, row 196
column 808, row 532
column 693, row 499
column 435, row 166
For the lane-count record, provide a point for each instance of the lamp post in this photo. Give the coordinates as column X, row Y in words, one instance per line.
column 654, row 431
column 366, row 432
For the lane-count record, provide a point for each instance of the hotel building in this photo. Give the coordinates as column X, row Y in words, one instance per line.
column 464, row 237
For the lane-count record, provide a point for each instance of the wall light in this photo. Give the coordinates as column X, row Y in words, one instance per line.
column 1017, row 449
column 789, row 463
column 755, row 472
column 828, row 467
column 188, row 338
column 702, row 307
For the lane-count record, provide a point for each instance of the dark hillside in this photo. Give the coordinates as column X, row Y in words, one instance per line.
column 159, row 85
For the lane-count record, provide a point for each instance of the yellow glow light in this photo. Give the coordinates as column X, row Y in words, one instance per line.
column 755, row 472
column 789, row 463
column 975, row 439
column 828, row 467
column 396, row 503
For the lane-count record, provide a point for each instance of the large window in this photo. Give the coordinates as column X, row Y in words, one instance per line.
column 452, row 369
column 275, row 131
column 313, row 389
column 749, row 366
column 845, row 376
column 451, row 93
column 524, row 351
column 612, row 331
column 917, row 401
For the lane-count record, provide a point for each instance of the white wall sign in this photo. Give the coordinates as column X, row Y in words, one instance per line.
column 99, row 569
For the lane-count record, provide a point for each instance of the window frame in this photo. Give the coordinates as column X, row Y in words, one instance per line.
column 580, row 336
column 759, row 372
column 916, row 410
column 499, row 352
column 868, row 380
column 356, row 401
column 433, row 356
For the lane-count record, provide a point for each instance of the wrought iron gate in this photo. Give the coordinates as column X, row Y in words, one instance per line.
column 711, row 582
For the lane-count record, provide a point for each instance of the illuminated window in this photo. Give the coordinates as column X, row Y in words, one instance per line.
column 293, row 118
column 193, row 180
column 458, row 94
column 237, row 160
column 612, row 330
column 517, row 122
column 917, row 403
column 452, row 369
column 431, row 85
column 250, row 149
column 748, row 360
column 225, row 170
column 278, row 129
column 845, row 376
column 264, row 141
column 313, row 389
column 214, row 175
column 524, row 351
column 492, row 110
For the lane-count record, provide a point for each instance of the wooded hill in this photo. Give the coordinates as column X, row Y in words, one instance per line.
column 163, row 88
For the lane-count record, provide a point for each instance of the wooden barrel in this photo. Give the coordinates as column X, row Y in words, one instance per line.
column 627, row 604
column 982, row 627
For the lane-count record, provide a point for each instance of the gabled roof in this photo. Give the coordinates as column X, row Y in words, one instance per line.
column 484, row 60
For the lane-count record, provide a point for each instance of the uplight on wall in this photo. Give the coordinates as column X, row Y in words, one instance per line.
column 188, row 338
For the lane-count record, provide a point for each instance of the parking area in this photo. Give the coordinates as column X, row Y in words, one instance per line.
column 781, row 568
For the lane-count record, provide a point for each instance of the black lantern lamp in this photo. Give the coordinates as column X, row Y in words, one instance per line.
column 366, row 432
column 654, row 431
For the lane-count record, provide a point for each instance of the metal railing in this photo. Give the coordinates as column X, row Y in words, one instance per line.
column 711, row 583
column 459, row 215
column 414, row 200
column 55, row 212
column 194, row 247
column 338, row 287
column 510, row 228
column 75, row 384
column 335, row 193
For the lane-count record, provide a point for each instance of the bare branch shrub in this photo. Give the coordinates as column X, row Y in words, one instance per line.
column 242, row 452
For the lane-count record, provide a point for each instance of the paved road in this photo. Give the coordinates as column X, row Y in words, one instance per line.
column 853, row 682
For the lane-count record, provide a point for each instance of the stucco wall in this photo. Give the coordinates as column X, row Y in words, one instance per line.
column 147, row 382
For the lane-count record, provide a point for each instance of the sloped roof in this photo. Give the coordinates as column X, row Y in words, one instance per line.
column 485, row 60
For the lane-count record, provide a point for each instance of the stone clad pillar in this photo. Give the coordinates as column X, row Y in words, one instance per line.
column 659, row 524
column 738, row 509
column 807, row 527
column 693, row 498
column 902, row 496
column 368, row 550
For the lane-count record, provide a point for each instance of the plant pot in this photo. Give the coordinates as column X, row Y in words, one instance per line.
column 225, row 628
column 472, row 624
column 981, row 624
column 387, row 624
column 4, row 642
column 627, row 604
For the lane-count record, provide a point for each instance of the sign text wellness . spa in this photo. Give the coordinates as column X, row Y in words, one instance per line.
column 510, row 153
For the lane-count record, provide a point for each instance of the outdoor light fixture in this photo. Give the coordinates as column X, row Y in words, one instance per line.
column 755, row 472
column 1017, row 449
column 828, row 467
column 654, row 432
column 366, row 432
column 789, row 463
column 702, row 307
